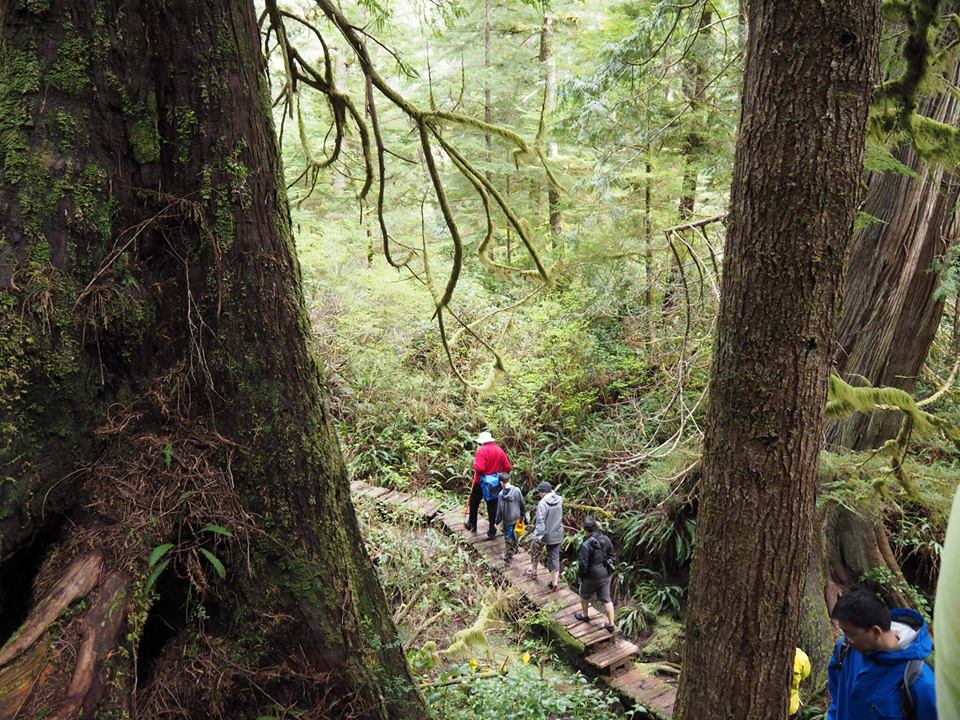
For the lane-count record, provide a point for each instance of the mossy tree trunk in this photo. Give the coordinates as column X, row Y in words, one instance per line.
column 807, row 88
column 695, row 89
column 890, row 319
column 157, row 387
column 549, row 62
column 890, row 314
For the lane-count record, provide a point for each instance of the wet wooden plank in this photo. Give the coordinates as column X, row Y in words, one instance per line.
column 431, row 508
column 394, row 497
column 581, row 629
column 647, row 689
column 598, row 637
column 613, row 655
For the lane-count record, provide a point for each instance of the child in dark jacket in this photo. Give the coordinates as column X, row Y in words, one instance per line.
column 510, row 508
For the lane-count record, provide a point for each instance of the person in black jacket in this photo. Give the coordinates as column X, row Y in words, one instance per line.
column 596, row 569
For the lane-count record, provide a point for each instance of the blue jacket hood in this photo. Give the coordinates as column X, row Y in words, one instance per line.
column 869, row 686
column 919, row 649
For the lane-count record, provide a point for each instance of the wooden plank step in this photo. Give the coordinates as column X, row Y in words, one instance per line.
column 613, row 655
column 431, row 507
column 394, row 497
column 378, row 492
column 569, row 608
column 598, row 638
column 579, row 631
column 647, row 689
column 660, row 696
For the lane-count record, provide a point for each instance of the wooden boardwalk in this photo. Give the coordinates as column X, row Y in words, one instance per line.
column 604, row 653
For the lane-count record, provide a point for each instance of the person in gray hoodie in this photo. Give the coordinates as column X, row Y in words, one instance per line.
column 510, row 508
column 548, row 532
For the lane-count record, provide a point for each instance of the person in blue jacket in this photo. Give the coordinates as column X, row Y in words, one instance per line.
column 872, row 659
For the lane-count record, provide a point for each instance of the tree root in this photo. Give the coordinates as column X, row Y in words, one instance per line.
column 101, row 626
column 78, row 580
column 29, row 664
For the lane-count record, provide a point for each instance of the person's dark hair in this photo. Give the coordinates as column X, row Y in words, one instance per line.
column 590, row 525
column 863, row 609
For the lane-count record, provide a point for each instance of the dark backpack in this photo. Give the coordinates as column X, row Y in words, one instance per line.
column 606, row 552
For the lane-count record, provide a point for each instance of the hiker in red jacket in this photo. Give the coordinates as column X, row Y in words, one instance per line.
column 490, row 461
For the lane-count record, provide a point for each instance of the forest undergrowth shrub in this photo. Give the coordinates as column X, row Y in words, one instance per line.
column 915, row 514
column 521, row 692
column 431, row 583
column 917, row 541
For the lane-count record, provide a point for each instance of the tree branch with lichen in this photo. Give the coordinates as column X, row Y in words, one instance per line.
column 429, row 125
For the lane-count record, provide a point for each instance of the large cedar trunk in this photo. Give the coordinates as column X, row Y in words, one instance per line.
column 890, row 316
column 157, row 388
column 889, row 322
column 808, row 82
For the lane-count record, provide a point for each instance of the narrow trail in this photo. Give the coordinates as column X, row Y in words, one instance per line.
column 607, row 656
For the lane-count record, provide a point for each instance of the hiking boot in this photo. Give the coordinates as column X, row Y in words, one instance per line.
column 491, row 535
column 468, row 526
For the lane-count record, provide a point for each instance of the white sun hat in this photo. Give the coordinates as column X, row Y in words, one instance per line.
column 484, row 437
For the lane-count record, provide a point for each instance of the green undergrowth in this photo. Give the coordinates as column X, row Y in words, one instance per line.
column 518, row 691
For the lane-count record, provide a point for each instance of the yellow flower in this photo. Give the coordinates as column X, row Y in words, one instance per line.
column 474, row 664
column 526, row 658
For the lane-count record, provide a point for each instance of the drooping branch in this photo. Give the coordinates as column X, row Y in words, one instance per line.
column 429, row 122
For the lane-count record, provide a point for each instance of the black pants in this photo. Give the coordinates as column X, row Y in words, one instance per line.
column 476, row 497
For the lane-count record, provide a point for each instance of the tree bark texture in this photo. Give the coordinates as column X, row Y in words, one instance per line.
column 890, row 316
column 695, row 88
column 487, row 66
column 807, row 88
column 549, row 63
column 157, row 388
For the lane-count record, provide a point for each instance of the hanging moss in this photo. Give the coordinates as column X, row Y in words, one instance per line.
column 893, row 115
column 934, row 140
column 844, row 400
column 472, row 640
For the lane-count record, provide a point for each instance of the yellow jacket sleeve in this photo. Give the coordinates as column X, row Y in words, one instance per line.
column 801, row 669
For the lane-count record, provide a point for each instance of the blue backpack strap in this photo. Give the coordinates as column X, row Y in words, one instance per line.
column 911, row 672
